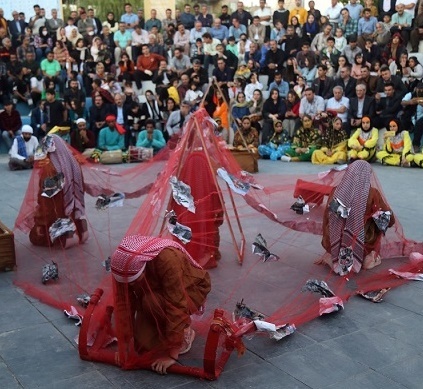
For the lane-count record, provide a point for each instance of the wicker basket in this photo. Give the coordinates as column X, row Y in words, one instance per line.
column 246, row 160
column 7, row 249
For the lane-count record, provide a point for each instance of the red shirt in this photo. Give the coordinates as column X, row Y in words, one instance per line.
column 10, row 122
column 151, row 62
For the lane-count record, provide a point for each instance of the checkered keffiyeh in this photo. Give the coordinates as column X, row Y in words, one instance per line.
column 133, row 253
column 353, row 191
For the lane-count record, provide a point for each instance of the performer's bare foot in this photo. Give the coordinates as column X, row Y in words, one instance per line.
column 372, row 260
column 325, row 259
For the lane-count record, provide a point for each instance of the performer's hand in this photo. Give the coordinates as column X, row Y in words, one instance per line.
column 162, row 364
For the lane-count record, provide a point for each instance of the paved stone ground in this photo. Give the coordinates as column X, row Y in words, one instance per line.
column 365, row 346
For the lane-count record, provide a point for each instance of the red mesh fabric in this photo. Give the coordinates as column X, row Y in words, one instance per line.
column 273, row 288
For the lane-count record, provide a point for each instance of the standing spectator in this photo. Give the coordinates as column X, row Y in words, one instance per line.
column 241, row 14
column 313, row 11
column 187, row 18
column 55, row 23
column 129, row 19
column 355, row 9
column 281, row 14
column 225, row 17
column 168, row 19
column 205, row 18
column 334, row 13
column 10, row 123
column 299, row 12
column 153, row 21
column 265, row 16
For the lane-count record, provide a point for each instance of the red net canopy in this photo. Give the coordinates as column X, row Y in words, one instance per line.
column 181, row 249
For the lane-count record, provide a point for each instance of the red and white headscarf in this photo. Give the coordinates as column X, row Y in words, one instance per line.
column 353, row 191
column 130, row 258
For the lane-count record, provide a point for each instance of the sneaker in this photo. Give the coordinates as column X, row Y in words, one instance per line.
column 189, row 336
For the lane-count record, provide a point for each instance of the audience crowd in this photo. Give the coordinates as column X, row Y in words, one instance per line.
column 325, row 86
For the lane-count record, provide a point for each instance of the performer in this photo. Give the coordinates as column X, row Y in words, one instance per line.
column 208, row 216
column 68, row 201
column 363, row 142
column 358, row 230
column 398, row 148
column 163, row 285
column 334, row 144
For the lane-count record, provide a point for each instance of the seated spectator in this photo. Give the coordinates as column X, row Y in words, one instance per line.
column 333, row 144
column 123, row 42
column 197, row 32
column 394, row 49
column 177, row 119
column 219, row 31
column 151, row 137
column 402, row 22
column 331, row 52
column 306, row 62
column 274, row 60
column 51, row 69
column 247, row 136
column 76, row 111
column 320, row 40
column 323, row 85
column 256, row 109
column 10, row 123
column 194, row 95
column 388, row 107
column 281, row 85
column 223, row 74
column 181, row 89
column 339, row 104
column 310, row 28
column 38, row 119
column 278, row 143
column 221, row 109
column 82, row 138
column 56, row 113
column 368, row 80
column 253, row 84
column 351, row 49
column 151, row 110
column 357, row 65
column 386, row 77
column 111, row 137
column 180, row 62
column 220, row 132
column 43, row 43
column 98, row 113
column 198, row 70
column 256, row 31
column 306, row 140
column 398, row 148
column 23, row 149
column 362, row 143
column 237, row 29
column 181, row 39
column 240, row 108
column 147, row 64
column 360, row 106
column 274, row 110
column 401, row 68
column 416, row 33
column 291, row 120
column 230, row 58
column 311, row 104
column 382, row 35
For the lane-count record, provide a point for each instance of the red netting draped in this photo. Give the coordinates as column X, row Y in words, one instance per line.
column 223, row 227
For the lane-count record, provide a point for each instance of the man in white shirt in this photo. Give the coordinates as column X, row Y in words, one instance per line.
column 139, row 38
column 339, row 103
column 23, row 149
column 311, row 104
column 334, row 13
column 210, row 50
column 265, row 15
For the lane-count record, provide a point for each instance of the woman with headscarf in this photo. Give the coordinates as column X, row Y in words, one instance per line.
column 111, row 22
column 240, row 108
column 310, row 28
column 362, row 143
column 306, row 140
column 43, row 43
column 351, row 236
column 398, row 148
column 292, row 113
column 246, row 136
column 401, row 68
column 278, row 144
column 274, row 109
column 158, row 286
column 333, row 144
column 381, row 35
column 394, row 49
column 60, row 196
column 416, row 72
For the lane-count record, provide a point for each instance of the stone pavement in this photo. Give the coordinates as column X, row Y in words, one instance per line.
column 365, row 346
